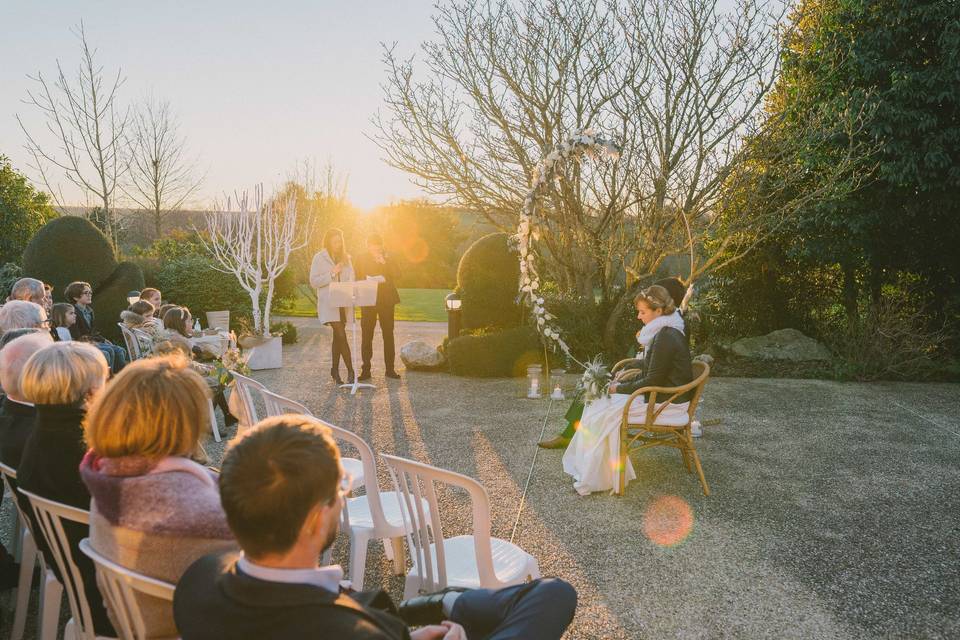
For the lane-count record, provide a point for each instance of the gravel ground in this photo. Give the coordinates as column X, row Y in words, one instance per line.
column 834, row 513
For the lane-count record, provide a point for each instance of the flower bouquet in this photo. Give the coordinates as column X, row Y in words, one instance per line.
column 231, row 360
column 595, row 380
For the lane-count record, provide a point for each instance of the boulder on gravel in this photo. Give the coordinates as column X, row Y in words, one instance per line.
column 784, row 344
column 418, row 355
column 705, row 358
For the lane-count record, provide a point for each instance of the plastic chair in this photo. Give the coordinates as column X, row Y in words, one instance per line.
column 120, row 587
column 657, row 430
column 218, row 320
column 246, row 388
column 213, row 421
column 277, row 405
column 133, row 345
column 475, row 561
column 50, row 516
column 51, row 593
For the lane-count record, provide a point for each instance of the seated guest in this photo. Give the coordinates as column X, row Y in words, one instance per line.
column 162, row 311
column 16, row 420
column 29, row 289
column 152, row 296
column 21, row 314
column 138, row 317
column 9, row 336
column 178, row 324
column 281, row 486
column 80, row 295
column 592, row 455
column 64, row 317
column 154, row 510
column 61, row 380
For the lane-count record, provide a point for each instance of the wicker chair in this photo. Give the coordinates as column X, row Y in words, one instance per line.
column 648, row 434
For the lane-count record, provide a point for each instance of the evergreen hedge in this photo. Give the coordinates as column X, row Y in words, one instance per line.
column 494, row 355
column 487, row 283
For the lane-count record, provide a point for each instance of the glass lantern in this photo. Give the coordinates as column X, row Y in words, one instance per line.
column 534, row 378
column 557, row 382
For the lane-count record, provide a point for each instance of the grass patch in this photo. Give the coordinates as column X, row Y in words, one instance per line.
column 416, row 305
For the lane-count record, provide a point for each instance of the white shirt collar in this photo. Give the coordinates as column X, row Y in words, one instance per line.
column 328, row 577
column 23, row 402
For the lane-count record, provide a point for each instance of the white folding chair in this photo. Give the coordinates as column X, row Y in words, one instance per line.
column 51, row 593
column 278, row 405
column 133, row 345
column 247, row 388
column 218, row 320
column 214, row 427
column 120, row 587
column 50, row 516
column 475, row 561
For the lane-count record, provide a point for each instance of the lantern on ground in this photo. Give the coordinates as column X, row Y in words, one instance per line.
column 534, row 375
column 557, row 384
column 453, row 303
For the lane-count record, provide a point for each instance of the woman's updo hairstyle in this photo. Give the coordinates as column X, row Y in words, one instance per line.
column 656, row 297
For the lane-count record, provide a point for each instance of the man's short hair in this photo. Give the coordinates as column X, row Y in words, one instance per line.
column 14, row 356
column 9, row 336
column 29, row 289
column 21, row 314
column 273, row 476
column 149, row 291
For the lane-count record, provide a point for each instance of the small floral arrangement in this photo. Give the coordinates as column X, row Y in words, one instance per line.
column 231, row 360
column 595, row 380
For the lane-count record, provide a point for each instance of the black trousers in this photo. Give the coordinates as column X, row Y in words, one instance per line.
column 368, row 324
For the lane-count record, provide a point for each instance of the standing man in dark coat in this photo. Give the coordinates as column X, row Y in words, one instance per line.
column 376, row 263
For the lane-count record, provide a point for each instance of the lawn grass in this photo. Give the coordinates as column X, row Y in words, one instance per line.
column 416, row 305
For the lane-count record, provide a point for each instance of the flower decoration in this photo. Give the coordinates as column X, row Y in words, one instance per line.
column 585, row 142
column 595, row 380
column 231, row 361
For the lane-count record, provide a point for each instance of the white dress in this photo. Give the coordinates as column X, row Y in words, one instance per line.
column 592, row 455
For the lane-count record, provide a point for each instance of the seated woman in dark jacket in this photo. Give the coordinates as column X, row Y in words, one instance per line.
column 61, row 380
column 592, row 455
column 80, row 295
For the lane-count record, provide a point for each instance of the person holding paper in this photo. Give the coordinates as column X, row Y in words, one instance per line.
column 376, row 265
column 333, row 264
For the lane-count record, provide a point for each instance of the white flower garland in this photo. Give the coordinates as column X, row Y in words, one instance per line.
column 583, row 143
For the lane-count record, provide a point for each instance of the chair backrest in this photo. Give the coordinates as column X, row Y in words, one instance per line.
column 120, row 586
column 133, row 345
column 247, row 387
column 9, row 481
column 50, row 516
column 218, row 320
column 415, row 482
column 656, row 405
column 277, row 405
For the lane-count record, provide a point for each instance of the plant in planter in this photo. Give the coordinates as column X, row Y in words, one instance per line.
column 254, row 245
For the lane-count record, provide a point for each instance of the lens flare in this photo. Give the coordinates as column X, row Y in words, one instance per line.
column 417, row 251
column 668, row 520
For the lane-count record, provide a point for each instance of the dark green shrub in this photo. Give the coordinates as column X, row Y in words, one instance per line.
column 23, row 211
column 191, row 281
column 494, row 355
column 287, row 330
column 70, row 248
column 9, row 274
column 487, row 282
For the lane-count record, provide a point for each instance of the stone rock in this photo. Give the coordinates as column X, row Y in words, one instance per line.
column 783, row 344
column 705, row 358
column 418, row 355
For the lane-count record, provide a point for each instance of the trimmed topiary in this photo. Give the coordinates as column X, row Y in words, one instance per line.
column 69, row 249
column 487, row 283
column 494, row 355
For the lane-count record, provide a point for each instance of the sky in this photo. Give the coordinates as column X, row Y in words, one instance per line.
column 258, row 86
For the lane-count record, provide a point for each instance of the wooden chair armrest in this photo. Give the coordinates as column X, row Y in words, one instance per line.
column 624, row 363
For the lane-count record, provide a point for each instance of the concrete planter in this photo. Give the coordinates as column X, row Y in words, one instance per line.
column 265, row 352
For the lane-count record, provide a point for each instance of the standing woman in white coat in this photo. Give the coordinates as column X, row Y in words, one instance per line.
column 332, row 264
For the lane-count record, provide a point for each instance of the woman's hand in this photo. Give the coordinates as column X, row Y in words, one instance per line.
column 337, row 268
column 612, row 388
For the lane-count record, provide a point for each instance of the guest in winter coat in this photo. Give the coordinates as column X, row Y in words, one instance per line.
column 17, row 415
column 80, row 295
column 154, row 510
column 61, row 380
column 138, row 318
column 333, row 264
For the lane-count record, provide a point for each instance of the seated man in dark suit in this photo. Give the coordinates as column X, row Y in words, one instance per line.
column 282, row 490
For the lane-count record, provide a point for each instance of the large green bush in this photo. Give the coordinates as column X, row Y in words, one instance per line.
column 23, row 211
column 487, row 282
column 70, row 248
column 494, row 355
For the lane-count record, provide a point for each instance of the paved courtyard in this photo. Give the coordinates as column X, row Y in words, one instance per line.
column 835, row 508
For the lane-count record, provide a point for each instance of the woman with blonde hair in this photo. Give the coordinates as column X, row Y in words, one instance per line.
column 61, row 380
column 154, row 509
column 333, row 264
column 592, row 454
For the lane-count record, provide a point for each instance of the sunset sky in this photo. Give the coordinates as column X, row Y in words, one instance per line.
column 257, row 86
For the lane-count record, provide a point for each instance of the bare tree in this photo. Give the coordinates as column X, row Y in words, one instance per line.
column 255, row 245
column 160, row 175
column 87, row 127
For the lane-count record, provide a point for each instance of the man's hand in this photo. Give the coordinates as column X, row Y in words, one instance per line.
column 446, row 630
